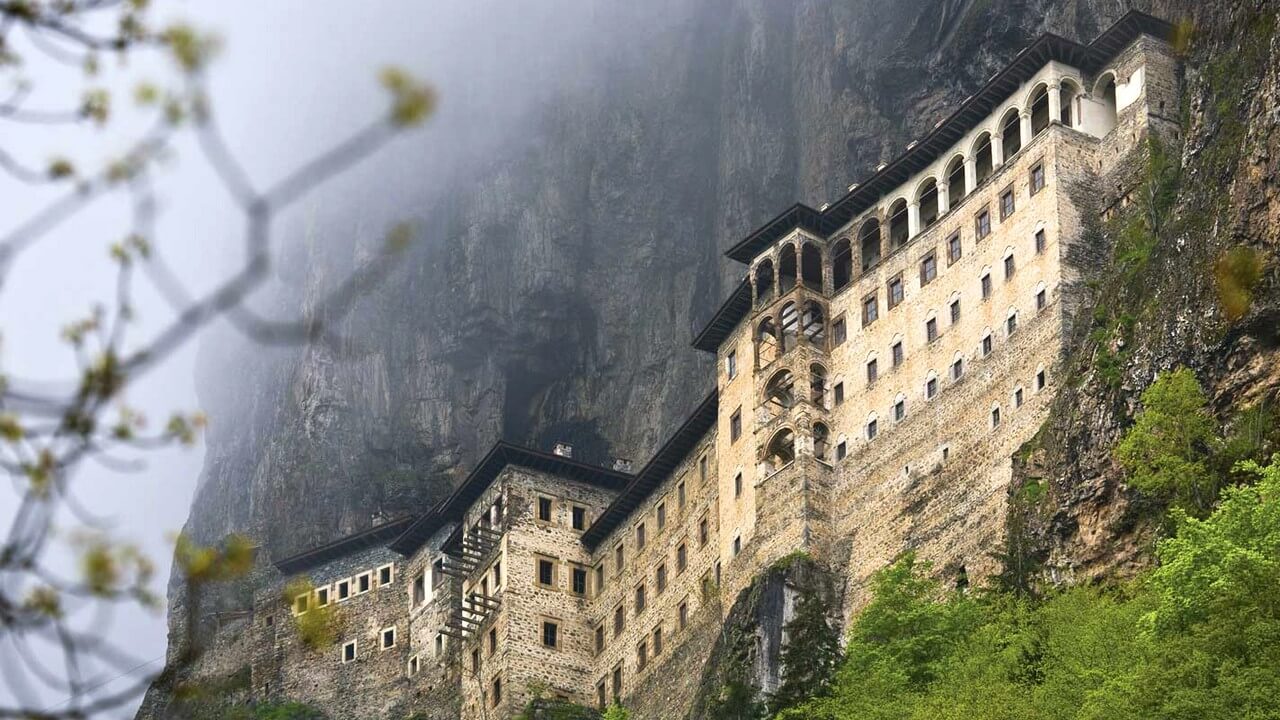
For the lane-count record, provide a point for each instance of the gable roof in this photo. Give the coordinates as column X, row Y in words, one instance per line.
column 668, row 457
column 342, row 547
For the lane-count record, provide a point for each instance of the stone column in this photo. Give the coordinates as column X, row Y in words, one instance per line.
column 997, row 149
column 1024, row 127
column 944, row 197
column 913, row 218
column 1055, row 102
column 970, row 174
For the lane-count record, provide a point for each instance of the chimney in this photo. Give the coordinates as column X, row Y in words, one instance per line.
column 622, row 465
column 563, row 449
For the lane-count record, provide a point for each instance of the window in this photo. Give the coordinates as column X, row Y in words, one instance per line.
column 839, row 393
column 550, row 634
column 1006, row 203
column 737, row 485
column 1040, row 380
column 388, row 636
column 475, row 660
column 600, row 578
column 619, row 620
column 872, row 429
column 899, row 410
column 682, row 614
column 601, row 698
column 1040, row 242
column 1037, row 178
column 702, row 469
column 364, row 581
column 928, row 268
column 349, row 651
column 873, row 371
column 737, row 545
column 982, row 224
column 680, row 496
column 437, row 573
column 599, row 639
column 839, row 331
column 343, row 590
column 870, row 310
column 661, row 515
column 1011, row 324
column 642, row 655
column 1009, row 267
column 413, row 666
column 897, row 352
column 578, row 516
column 931, row 329
column 386, row 574
column 707, row 585
column 986, row 344
column 957, row 369
column 995, row 416
column 497, row 691
column 682, row 557
column 735, row 425
column 419, row 589
column 931, row 388
column 544, row 509
column 439, row 644
column 1041, row 300
column 731, row 364
column 322, row 597
column 895, row 292
column 618, row 559
column 986, row 286
column 657, row 641
column 579, row 581
column 1017, row 398
column 641, row 538
column 954, row 249
column 493, row 640
column 546, row 573
column 617, row 682
column 301, row 603
column 660, row 579
column 640, row 598
column 842, row 449
column 703, row 532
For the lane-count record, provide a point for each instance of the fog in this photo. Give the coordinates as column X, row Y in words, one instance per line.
column 292, row 79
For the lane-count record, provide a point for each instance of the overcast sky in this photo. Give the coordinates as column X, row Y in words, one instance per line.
column 294, row 77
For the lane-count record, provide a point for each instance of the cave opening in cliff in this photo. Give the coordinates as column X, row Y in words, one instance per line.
column 789, row 321
column 841, row 264
column 899, row 227
column 811, row 267
column 787, row 269
column 764, row 282
column 869, row 241
column 766, row 342
column 983, row 159
column 1010, row 134
column 955, row 179
column 927, row 197
column 1039, row 110
column 781, row 450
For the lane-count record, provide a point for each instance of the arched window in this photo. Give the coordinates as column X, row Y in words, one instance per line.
column 818, row 385
column 781, row 450
column 927, row 196
column 790, row 321
column 766, row 342
column 869, row 242
column 811, row 267
column 1069, row 102
column 821, row 441
column 1010, row 134
column 764, row 282
column 1104, row 94
column 841, row 264
column 1039, row 110
column 898, row 228
column 780, row 392
column 955, row 180
column 813, row 323
column 787, row 269
column 982, row 159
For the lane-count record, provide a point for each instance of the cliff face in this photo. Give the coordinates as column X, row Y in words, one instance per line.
column 560, row 282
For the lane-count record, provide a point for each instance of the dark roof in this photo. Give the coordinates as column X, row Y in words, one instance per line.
column 374, row 536
column 658, row 468
column 500, row 456
column 1090, row 58
column 731, row 312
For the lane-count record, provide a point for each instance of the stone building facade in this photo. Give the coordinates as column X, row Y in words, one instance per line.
column 880, row 363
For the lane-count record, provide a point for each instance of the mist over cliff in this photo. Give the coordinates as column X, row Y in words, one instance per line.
column 572, row 201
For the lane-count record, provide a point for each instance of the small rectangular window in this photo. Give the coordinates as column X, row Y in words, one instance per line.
column 986, row 286
column 682, row 557
column 437, row 573
column 618, row 558
column 1041, row 300
column 642, row 655
column 617, row 682
column 931, row 388
column 995, row 417
column 954, row 249
column 957, row 369
column 386, row 574
column 870, row 310
column 1017, row 398
column 550, row 634
column 839, row 393
column 735, row 425
column 388, row 638
column 301, row 603
column 546, row 572
column 839, row 332
column 680, row 496
column 897, row 352
column 660, row 579
column 1037, row 178
column 322, row 597
column 928, row 268
column 1006, row 203
column 986, row 345
column 660, row 514
column 600, row 578
column 982, row 224
column 900, row 410
column 475, row 660
column 1040, row 242
column 737, row 545
column 599, row 639
column 619, row 620
column 602, row 699
column 682, row 614
column 641, row 597
column 873, row 371
column 704, row 533
column 343, row 589
column 842, row 449
column 895, row 292
column 955, row 311
column 1009, row 267
column 931, row 329
column 544, row 509
column 493, row 640
column 579, row 581
column 497, row 691
column 364, row 583
column 702, row 469
column 579, row 517
column 419, row 589
column 731, row 364
column 1011, row 325
column 349, row 651
column 1040, row 380
column 641, row 537
column 737, row 485
column 657, row 641
column 872, row 429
